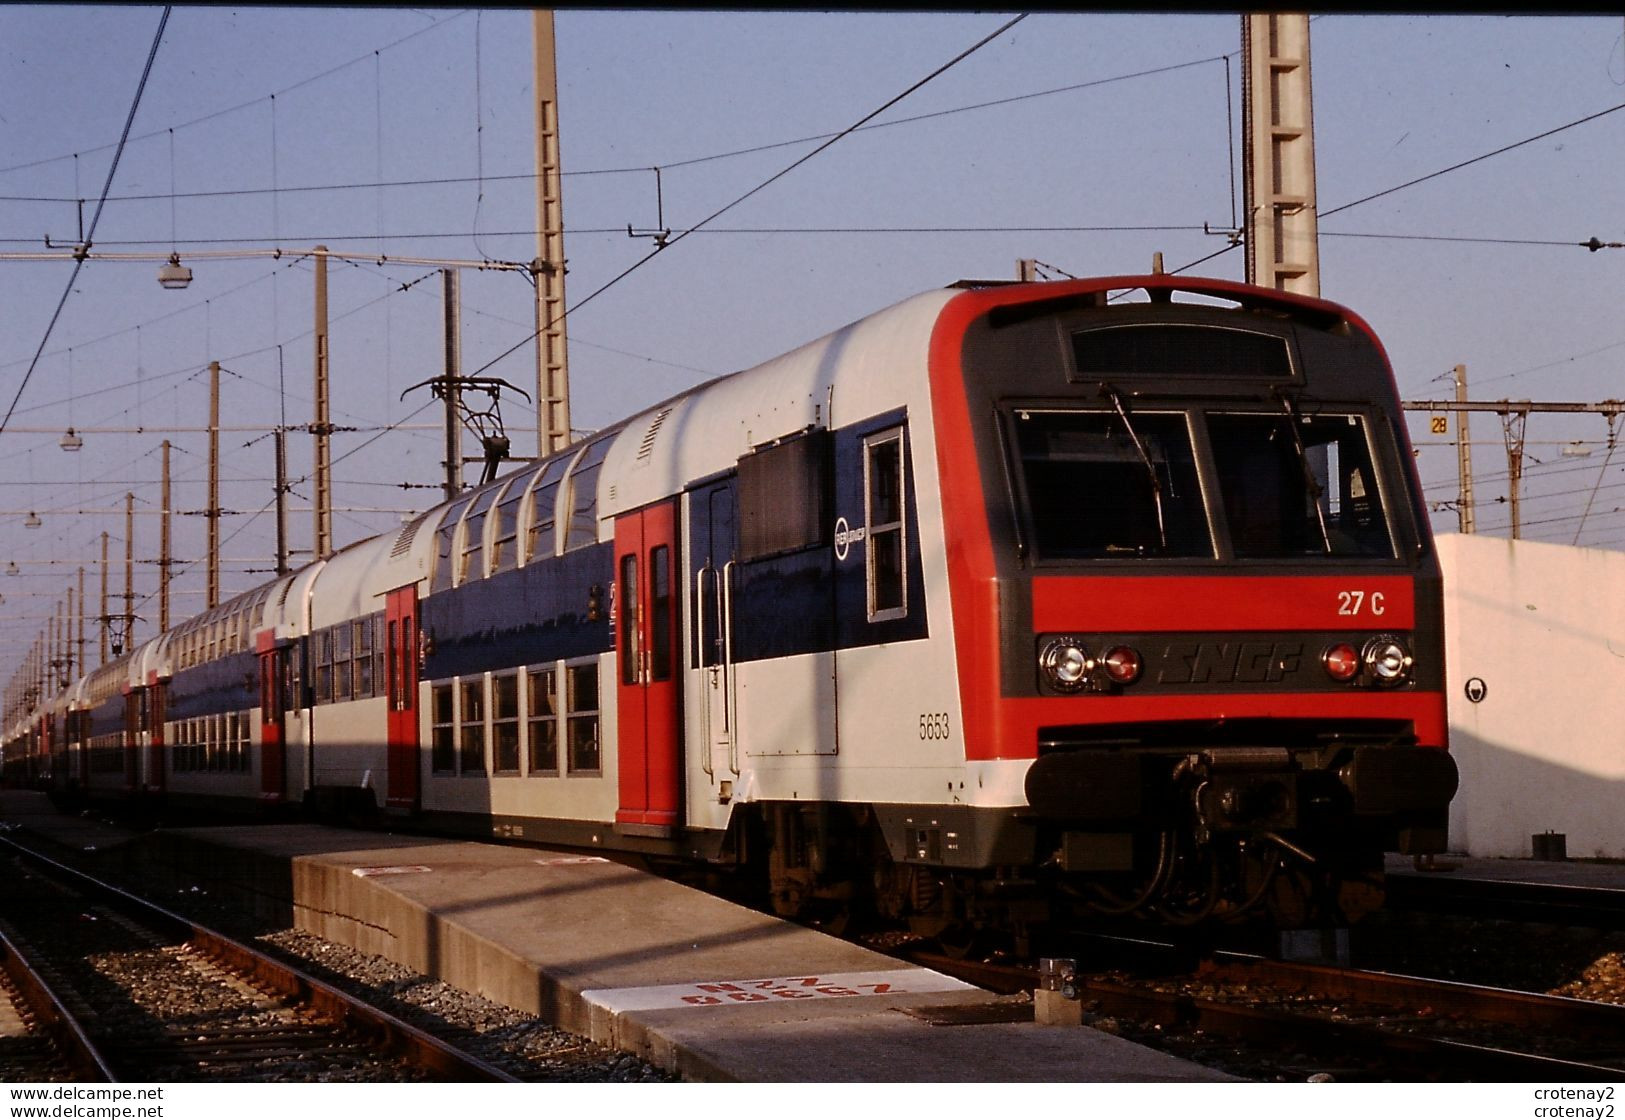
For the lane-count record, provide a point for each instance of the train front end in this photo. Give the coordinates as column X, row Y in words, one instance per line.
column 1198, row 613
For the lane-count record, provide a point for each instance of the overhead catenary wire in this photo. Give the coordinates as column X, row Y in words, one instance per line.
column 90, row 234
column 218, row 113
column 1469, row 162
column 665, row 244
column 641, row 169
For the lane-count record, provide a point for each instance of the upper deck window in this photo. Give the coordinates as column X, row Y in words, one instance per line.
column 505, row 537
column 445, row 537
column 1100, row 487
column 1265, row 466
column 582, row 502
column 473, row 566
column 543, row 535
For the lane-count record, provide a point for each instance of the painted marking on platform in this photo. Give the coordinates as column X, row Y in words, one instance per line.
column 400, row 869
column 561, row 861
column 729, row 993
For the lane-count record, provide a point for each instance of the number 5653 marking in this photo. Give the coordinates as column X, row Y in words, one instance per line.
column 1354, row 602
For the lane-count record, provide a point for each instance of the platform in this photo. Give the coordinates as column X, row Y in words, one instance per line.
column 701, row 987
column 1590, row 873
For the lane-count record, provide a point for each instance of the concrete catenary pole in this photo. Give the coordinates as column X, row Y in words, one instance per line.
column 547, row 270
column 1278, row 153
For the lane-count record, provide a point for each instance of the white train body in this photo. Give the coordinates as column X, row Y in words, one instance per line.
column 802, row 616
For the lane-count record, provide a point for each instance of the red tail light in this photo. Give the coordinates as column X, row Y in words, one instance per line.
column 1123, row 665
column 1342, row 661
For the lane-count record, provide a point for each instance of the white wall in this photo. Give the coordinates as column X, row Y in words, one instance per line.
column 1543, row 626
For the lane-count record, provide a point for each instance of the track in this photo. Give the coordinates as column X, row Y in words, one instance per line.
column 1595, row 907
column 43, row 1040
column 1365, row 1025
column 165, row 999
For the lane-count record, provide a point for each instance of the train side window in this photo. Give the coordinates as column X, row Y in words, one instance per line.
column 542, row 722
column 505, row 723
column 541, row 538
column 471, row 727
column 363, row 657
column 443, row 731
column 582, row 501
column 631, row 651
column 784, row 497
column 660, row 614
column 445, row 538
column 885, row 548
column 473, row 565
column 379, row 655
column 293, row 695
column 324, row 667
column 343, row 639
column 505, row 535
column 392, row 669
column 581, row 719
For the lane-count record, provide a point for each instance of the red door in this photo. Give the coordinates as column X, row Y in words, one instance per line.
column 273, row 753
column 401, row 672
column 132, row 739
column 155, row 733
column 647, row 695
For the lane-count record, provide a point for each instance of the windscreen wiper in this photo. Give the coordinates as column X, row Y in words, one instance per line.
column 1116, row 398
column 1316, row 490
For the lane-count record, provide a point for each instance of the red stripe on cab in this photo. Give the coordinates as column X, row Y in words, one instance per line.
column 1142, row 604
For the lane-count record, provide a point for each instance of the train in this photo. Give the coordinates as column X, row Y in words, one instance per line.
column 1007, row 604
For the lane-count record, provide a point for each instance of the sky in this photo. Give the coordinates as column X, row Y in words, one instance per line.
column 1088, row 142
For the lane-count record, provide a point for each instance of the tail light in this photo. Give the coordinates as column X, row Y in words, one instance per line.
column 1123, row 665
column 1342, row 661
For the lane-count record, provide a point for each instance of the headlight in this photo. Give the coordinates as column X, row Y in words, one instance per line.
column 1065, row 664
column 1387, row 660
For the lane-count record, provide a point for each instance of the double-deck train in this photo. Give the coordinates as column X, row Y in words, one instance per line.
column 1110, row 595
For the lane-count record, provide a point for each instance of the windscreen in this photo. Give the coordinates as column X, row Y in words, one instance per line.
column 1124, row 484
column 1100, row 484
column 1298, row 486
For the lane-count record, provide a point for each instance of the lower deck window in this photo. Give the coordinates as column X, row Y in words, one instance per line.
column 542, row 721
column 582, row 717
column 442, row 747
column 471, row 727
column 505, row 724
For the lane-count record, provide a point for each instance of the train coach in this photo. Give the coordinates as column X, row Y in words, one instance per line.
column 1006, row 601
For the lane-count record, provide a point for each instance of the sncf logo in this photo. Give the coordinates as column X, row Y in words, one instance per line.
column 1225, row 662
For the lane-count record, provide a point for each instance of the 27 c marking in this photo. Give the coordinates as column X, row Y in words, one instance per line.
column 1351, row 602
